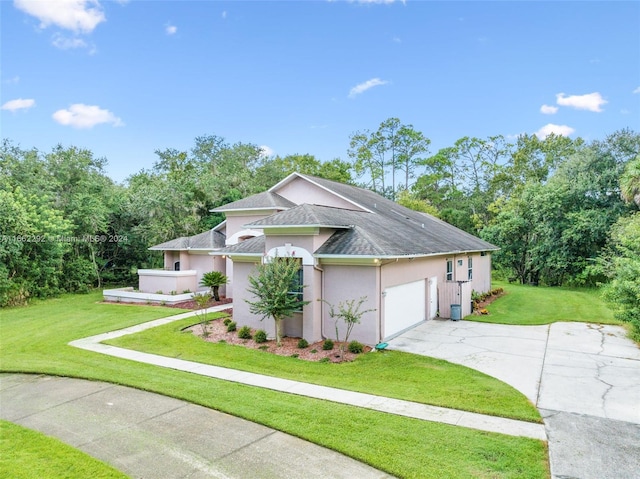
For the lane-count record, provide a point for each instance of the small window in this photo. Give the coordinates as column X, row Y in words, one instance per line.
column 297, row 285
column 449, row 270
column 483, row 253
column 470, row 268
column 176, row 266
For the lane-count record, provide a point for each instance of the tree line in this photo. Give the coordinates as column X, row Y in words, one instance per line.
column 558, row 208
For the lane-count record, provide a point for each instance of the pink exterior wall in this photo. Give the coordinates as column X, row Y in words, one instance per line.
column 346, row 282
column 154, row 281
column 202, row 262
column 241, row 313
column 301, row 191
column 237, row 220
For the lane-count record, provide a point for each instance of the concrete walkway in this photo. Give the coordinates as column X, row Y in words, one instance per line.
column 148, row 435
column 584, row 378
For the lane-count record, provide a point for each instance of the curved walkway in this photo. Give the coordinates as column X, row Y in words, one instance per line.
column 584, row 379
column 147, row 435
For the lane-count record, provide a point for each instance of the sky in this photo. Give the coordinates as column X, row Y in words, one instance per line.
column 126, row 78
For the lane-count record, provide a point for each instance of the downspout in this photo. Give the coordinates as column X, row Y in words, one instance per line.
column 318, row 268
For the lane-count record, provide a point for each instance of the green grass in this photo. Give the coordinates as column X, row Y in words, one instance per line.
column 34, row 339
column 27, row 454
column 534, row 305
column 391, row 374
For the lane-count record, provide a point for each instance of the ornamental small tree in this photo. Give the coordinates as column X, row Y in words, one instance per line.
column 202, row 300
column 349, row 311
column 275, row 286
column 213, row 280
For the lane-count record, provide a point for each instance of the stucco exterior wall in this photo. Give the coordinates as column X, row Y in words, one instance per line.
column 342, row 282
column 302, row 191
column 166, row 282
column 202, row 263
column 241, row 313
column 237, row 220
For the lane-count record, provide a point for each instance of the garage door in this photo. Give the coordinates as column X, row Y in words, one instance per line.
column 404, row 306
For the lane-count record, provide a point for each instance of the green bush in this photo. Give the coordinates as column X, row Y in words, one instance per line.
column 226, row 321
column 303, row 343
column 260, row 336
column 324, row 360
column 295, row 355
column 327, row 345
column 231, row 326
column 244, row 332
column 356, row 347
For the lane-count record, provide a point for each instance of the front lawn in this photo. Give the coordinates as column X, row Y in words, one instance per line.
column 35, row 339
column 535, row 305
column 28, row 454
column 391, row 373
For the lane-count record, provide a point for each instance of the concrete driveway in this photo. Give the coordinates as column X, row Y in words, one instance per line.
column 584, row 379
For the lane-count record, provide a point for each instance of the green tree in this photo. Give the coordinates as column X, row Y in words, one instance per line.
column 392, row 148
column 623, row 267
column 630, row 182
column 272, row 285
column 213, row 280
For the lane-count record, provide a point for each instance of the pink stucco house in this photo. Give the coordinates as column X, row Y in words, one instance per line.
column 351, row 243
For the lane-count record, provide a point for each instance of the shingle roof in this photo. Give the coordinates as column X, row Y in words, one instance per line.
column 250, row 246
column 208, row 240
column 267, row 200
column 388, row 230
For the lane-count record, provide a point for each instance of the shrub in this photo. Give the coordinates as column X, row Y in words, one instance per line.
column 295, row 355
column 324, row 360
column 327, row 345
column 356, row 347
column 226, row 321
column 231, row 326
column 303, row 343
column 263, row 348
column 244, row 332
column 313, row 351
column 260, row 336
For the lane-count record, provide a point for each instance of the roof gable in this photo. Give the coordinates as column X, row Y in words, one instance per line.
column 267, row 200
column 209, row 240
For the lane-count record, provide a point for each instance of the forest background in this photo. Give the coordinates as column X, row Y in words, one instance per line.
column 563, row 211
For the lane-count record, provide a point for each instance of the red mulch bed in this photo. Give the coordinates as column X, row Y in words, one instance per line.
column 216, row 332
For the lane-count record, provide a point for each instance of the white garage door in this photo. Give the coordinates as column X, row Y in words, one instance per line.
column 404, row 306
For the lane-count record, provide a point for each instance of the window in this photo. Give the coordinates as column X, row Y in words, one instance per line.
column 449, row 270
column 298, row 282
column 470, row 268
column 176, row 266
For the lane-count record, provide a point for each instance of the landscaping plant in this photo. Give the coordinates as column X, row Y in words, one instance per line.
column 213, row 280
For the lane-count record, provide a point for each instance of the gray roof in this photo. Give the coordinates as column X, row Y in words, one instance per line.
column 208, row 240
column 267, row 200
column 389, row 229
column 251, row 246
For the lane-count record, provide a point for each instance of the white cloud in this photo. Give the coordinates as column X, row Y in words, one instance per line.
column 66, row 43
column 224, row 14
column 171, row 29
column 13, row 81
column 18, row 104
column 80, row 16
column 550, row 128
column 637, row 90
column 590, row 101
column 549, row 109
column 80, row 115
column 266, row 151
column 362, row 87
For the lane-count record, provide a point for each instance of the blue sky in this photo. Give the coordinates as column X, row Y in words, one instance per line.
column 126, row 78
